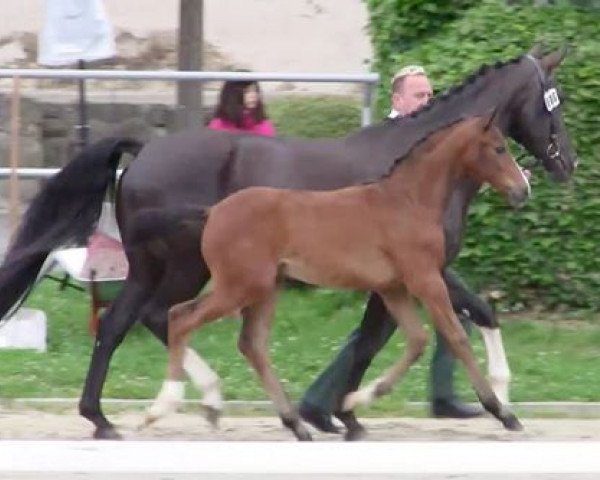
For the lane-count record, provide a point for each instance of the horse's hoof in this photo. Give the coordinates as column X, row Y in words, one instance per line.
column 355, row 434
column 212, row 415
column 107, row 433
column 511, row 422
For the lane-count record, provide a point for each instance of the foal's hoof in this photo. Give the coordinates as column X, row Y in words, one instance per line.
column 212, row 415
column 107, row 433
column 149, row 419
column 511, row 422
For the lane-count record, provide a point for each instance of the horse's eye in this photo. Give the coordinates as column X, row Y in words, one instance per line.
column 500, row 150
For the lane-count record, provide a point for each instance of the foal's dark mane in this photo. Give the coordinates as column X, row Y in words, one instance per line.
column 412, row 151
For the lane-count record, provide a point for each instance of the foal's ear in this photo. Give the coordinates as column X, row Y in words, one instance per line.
column 487, row 121
column 552, row 60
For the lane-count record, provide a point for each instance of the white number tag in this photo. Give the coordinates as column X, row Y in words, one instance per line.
column 551, row 99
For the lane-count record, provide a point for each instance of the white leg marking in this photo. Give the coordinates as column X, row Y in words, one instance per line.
column 169, row 397
column 204, row 379
column 364, row 396
column 498, row 370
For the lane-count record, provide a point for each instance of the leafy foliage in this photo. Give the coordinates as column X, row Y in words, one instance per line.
column 315, row 116
column 545, row 254
column 397, row 26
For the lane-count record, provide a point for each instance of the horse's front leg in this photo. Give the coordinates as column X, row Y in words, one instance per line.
column 401, row 305
column 480, row 312
column 432, row 292
column 497, row 363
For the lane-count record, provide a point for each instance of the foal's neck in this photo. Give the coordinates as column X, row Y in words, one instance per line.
column 429, row 174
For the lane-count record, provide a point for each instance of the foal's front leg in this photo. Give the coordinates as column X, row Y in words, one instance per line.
column 432, row 292
column 401, row 305
column 253, row 343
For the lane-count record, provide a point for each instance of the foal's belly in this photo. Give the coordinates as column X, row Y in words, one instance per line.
column 356, row 272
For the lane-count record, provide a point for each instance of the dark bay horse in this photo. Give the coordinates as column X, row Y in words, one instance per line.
column 386, row 237
column 201, row 167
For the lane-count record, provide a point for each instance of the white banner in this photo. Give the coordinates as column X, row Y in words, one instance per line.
column 75, row 30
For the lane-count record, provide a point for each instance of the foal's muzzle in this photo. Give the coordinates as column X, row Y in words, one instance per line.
column 518, row 195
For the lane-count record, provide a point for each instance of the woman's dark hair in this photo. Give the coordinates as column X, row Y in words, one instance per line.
column 231, row 102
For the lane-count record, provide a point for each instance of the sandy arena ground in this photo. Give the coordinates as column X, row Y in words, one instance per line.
column 44, row 425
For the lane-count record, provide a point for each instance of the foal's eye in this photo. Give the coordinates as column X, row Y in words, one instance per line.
column 500, row 150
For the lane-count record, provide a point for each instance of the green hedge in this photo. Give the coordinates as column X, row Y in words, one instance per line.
column 315, row 116
column 547, row 254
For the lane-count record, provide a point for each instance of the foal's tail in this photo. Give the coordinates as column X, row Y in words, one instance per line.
column 65, row 210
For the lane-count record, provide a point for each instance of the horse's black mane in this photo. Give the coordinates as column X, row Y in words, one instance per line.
column 435, row 103
column 456, row 89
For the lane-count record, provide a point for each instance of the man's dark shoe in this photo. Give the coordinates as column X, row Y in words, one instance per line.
column 317, row 418
column 442, row 408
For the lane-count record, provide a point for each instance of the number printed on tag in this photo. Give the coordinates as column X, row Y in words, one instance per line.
column 551, row 99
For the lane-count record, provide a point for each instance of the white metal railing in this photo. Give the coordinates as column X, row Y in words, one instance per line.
column 367, row 80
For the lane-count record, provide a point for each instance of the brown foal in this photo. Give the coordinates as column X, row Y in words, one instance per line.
column 386, row 237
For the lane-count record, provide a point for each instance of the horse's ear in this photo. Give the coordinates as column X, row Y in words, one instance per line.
column 536, row 51
column 552, row 60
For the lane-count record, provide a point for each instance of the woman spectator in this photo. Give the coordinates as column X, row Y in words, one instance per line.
column 241, row 108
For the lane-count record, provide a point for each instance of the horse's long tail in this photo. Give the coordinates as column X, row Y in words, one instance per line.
column 67, row 209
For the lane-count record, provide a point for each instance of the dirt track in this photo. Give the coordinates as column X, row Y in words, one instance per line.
column 43, row 425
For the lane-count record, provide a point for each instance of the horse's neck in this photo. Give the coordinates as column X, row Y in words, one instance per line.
column 430, row 173
column 500, row 88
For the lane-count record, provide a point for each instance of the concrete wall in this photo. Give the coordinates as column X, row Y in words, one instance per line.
column 49, row 137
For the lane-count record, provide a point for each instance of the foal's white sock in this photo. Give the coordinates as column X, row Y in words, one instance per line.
column 364, row 396
column 204, row 378
column 169, row 397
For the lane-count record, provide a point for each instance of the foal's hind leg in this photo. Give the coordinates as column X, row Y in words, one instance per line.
column 431, row 290
column 253, row 343
column 202, row 376
column 183, row 319
column 402, row 308
column 180, row 282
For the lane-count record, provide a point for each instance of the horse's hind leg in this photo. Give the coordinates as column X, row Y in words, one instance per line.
column 114, row 324
column 402, row 308
column 434, row 295
column 253, row 344
column 482, row 315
